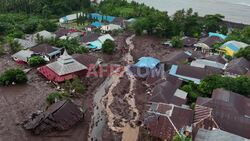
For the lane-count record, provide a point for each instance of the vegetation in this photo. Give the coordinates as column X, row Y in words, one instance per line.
column 181, row 138
column 56, row 96
column 14, row 46
column 244, row 53
column 36, row 61
column 239, row 85
column 12, row 76
column 108, row 47
column 177, row 42
column 71, row 45
column 75, row 86
column 45, row 8
column 242, row 35
column 1, row 50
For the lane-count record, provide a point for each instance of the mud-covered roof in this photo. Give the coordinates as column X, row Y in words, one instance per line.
column 58, row 117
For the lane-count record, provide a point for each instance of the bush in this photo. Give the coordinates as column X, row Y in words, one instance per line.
column 13, row 76
column 1, row 50
column 177, row 42
column 15, row 46
column 108, row 47
column 36, row 61
column 56, row 96
column 244, row 53
column 76, row 86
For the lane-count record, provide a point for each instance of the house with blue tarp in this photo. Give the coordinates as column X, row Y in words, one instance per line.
column 232, row 47
column 100, row 17
column 147, row 62
column 211, row 34
column 97, row 44
column 97, row 24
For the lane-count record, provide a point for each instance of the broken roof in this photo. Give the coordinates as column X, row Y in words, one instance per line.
column 60, row 116
column 66, row 65
column 165, row 120
column 62, row 32
column 239, row 66
column 210, row 41
column 189, row 41
column 228, row 110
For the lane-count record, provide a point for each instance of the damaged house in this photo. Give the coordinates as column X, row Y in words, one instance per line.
column 60, row 116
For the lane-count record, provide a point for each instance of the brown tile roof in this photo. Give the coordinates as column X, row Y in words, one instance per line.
column 190, row 71
column 164, row 93
column 189, row 41
column 239, row 66
column 90, row 37
column 85, row 59
column 60, row 116
column 62, row 32
column 216, row 58
column 44, row 49
column 210, row 41
column 166, row 126
column 177, row 57
column 230, row 111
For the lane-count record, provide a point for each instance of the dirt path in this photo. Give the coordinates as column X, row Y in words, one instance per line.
column 103, row 102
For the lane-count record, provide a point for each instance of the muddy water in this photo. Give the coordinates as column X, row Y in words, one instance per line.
column 102, row 104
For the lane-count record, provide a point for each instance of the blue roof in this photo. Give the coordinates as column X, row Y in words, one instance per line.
column 232, row 47
column 65, row 19
column 147, row 62
column 100, row 17
column 97, row 24
column 95, row 45
column 217, row 35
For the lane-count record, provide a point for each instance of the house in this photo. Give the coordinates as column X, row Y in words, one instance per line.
column 178, row 57
column 89, row 28
column 212, row 34
column 89, row 37
column 120, row 22
column 65, row 68
column 87, row 59
column 168, row 92
column 47, row 51
column 45, row 35
column 99, row 17
column 217, row 135
column 239, row 66
column 62, row 32
column 189, row 41
column 97, row 24
column 110, row 27
column 232, row 47
column 216, row 58
column 164, row 121
column 97, row 44
column 202, row 63
column 25, row 44
column 147, row 62
column 60, row 116
column 70, row 17
column 188, row 73
column 205, row 44
column 226, row 110
column 22, row 56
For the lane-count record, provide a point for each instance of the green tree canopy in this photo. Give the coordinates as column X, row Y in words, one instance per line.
column 244, row 53
column 108, row 47
column 36, row 61
column 57, row 96
column 13, row 76
column 177, row 42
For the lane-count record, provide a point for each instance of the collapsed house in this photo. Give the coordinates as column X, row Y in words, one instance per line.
column 60, row 116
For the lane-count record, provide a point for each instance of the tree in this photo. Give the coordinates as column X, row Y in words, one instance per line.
column 181, row 138
column 13, row 76
column 75, row 87
column 36, row 61
column 244, row 53
column 57, row 96
column 213, row 23
column 177, row 42
column 108, row 46
column 1, row 50
column 15, row 46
